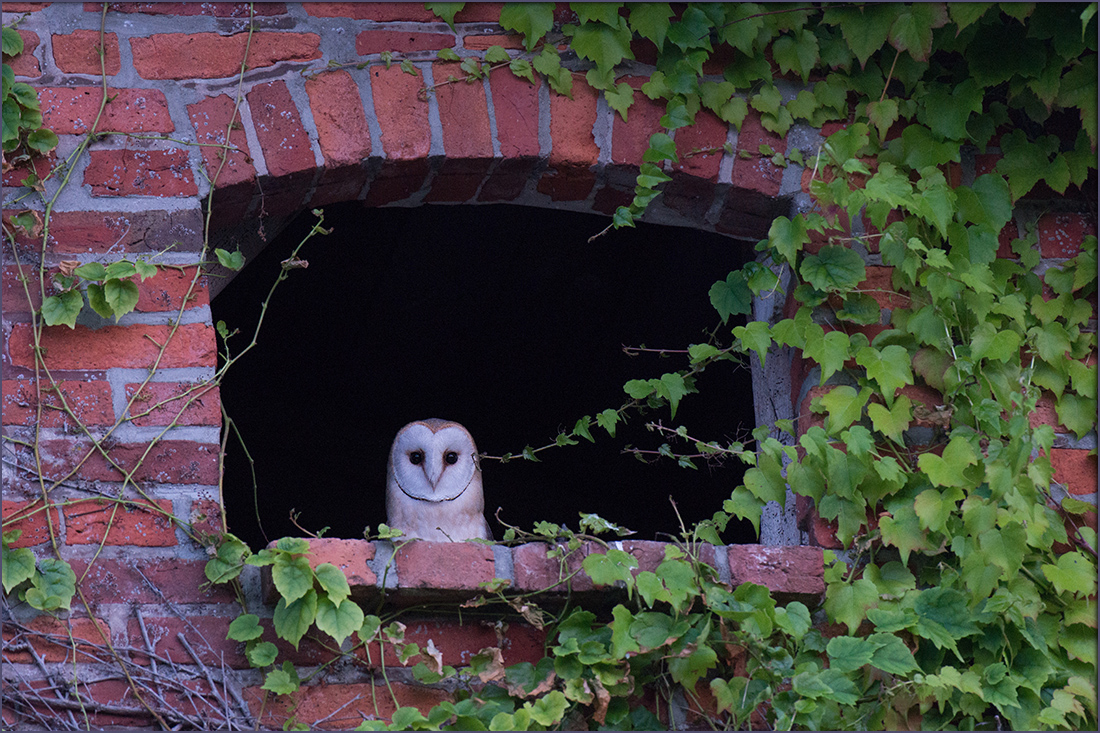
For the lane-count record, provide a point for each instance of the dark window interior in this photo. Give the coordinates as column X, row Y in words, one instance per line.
column 503, row 318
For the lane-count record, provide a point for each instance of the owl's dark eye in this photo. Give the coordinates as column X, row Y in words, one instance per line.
column 416, row 457
column 451, row 457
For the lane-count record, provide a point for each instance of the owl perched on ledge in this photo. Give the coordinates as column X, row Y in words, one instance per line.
column 433, row 483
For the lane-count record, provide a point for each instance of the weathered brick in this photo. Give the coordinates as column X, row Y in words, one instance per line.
column 169, row 461
column 98, row 232
column 338, row 707
column 630, row 138
column 148, row 580
column 879, row 285
column 216, row 9
column 205, row 634
column 342, row 130
column 211, row 118
column 534, row 571
column 508, row 180
column 25, row 64
column 115, row 346
column 699, row 146
column 516, row 107
column 25, row 7
column 204, row 409
column 757, row 173
column 72, row 110
column 456, row 566
column 206, row 519
column 574, row 151
column 396, row 181
column 1060, row 235
column 214, row 56
column 1075, row 469
column 90, row 401
column 14, row 298
column 458, row 179
column 140, row 173
column 381, row 12
column 31, row 519
column 50, row 638
column 78, row 53
column 794, row 573
column 170, row 289
column 485, row 42
column 401, row 115
column 479, row 13
column 86, row 522
column 279, row 129
column 377, row 41
column 39, row 166
column 351, row 556
column 463, row 113
column 458, row 641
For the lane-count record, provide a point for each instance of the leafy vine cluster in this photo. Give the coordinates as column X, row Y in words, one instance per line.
column 965, row 594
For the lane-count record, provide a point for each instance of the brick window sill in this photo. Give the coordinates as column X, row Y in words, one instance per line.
column 415, row 572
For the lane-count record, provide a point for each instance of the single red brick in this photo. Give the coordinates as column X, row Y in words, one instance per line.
column 50, row 638
column 86, row 522
column 757, row 173
column 458, row 179
column 216, row 9
column 484, row 43
column 169, row 461
column 207, row 520
column 508, row 180
column 148, row 580
column 214, row 56
column 279, row 129
column 15, row 295
column 459, row 641
column 140, row 173
column 371, row 42
column 25, row 7
column 1046, row 414
column 90, row 402
column 630, row 137
column 351, row 556
column 39, row 166
column 30, row 518
column 791, row 572
column 534, row 571
column 574, row 152
column 25, row 64
column 204, row 408
column 115, row 346
column 342, row 130
column 212, row 117
column 1060, row 235
column 879, row 285
column 1075, row 469
column 699, row 146
column 205, row 634
column 97, row 232
column 381, row 12
column 72, row 110
column 339, row 184
column 401, row 115
column 77, row 53
column 479, row 13
column 450, row 565
column 516, row 107
column 170, row 290
column 338, row 707
column 464, row 115
column 396, row 181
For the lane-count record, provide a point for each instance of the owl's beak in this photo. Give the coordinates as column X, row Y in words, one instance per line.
column 433, row 468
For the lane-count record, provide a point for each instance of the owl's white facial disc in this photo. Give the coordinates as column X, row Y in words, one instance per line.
column 433, row 466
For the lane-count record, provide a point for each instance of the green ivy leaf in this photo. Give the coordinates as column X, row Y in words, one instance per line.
column 943, row 616
column 948, row 470
column 333, row 581
column 848, row 604
column 798, row 52
column 889, row 367
column 548, row 63
column 54, row 585
column 533, row 20
column 891, row 655
column 849, row 653
column 261, row 654
column 293, row 619
column 945, row 108
column 97, row 299
column 1074, row 573
column 607, row 420
column 651, row 20
column 121, row 296
column 1077, row 413
column 58, row 310
column 282, row 681
column 446, row 11
column 603, row 44
column 234, row 261
column 13, row 42
column 755, row 336
column 912, row 31
column 844, row 406
column 339, row 619
column 245, row 627
column 787, row 237
column 894, row 421
column 549, row 709
column 497, row 55
column 744, row 504
column 18, row 565
column 834, row 268
column 864, row 28
column 292, row 576
column 522, row 69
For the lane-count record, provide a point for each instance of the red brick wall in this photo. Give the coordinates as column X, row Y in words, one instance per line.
column 307, row 135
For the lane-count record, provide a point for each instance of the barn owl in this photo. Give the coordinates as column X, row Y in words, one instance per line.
column 433, row 483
